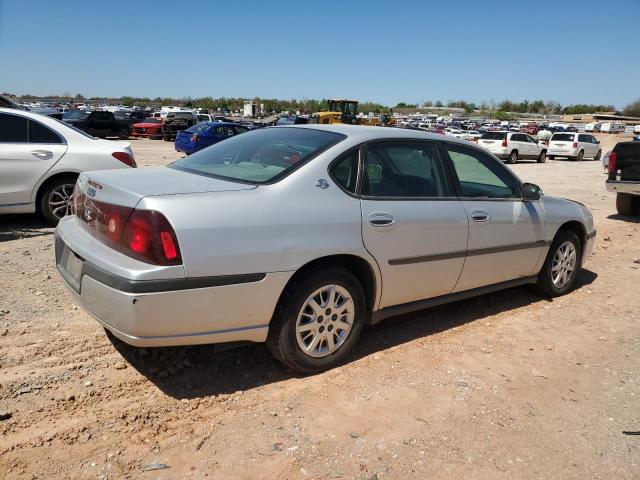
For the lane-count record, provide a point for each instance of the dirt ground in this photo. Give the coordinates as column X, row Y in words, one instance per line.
column 504, row 386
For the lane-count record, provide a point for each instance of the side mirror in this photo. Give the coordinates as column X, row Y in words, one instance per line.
column 531, row 191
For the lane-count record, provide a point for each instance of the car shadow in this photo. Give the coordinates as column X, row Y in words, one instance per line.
column 14, row 227
column 624, row 218
column 204, row 371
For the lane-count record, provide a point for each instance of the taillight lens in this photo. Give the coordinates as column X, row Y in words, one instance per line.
column 575, row 144
column 613, row 156
column 195, row 137
column 125, row 158
column 145, row 235
column 504, row 141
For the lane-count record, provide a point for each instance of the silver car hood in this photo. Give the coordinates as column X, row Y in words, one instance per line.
column 127, row 186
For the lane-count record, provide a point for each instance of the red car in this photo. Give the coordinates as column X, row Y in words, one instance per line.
column 530, row 129
column 150, row 128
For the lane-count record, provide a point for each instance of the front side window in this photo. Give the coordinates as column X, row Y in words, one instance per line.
column 480, row 176
column 403, row 169
column 259, row 156
column 13, row 128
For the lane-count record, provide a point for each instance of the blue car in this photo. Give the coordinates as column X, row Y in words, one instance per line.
column 204, row 134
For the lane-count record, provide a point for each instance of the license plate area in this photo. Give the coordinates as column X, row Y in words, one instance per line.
column 70, row 268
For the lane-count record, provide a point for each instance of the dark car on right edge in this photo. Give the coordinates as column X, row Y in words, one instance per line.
column 624, row 177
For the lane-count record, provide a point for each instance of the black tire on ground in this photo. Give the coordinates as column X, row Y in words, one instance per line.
column 47, row 195
column 282, row 341
column 597, row 157
column 550, row 157
column 627, row 204
column 580, row 155
column 545, row 283
column 123, row 133
column 513, row 157
column 542, row 157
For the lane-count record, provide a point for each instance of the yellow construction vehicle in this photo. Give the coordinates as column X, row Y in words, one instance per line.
column 346, row 111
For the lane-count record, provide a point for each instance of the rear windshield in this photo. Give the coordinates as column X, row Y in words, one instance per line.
column 562, row 137
column 199, row 127
column 180, row 115
column 493, row 135
column 151, row 120
column 259, row 156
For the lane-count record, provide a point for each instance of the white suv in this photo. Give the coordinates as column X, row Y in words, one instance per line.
column 574, row 146
column 513, row 146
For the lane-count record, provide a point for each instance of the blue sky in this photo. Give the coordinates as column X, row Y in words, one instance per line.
column 383, row 51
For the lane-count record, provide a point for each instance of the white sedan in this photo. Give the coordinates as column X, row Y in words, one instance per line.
column 301, row 235
column 41, row 158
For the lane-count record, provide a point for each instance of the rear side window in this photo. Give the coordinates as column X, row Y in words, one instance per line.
column 345, row 171
column 584, row 138
column 494, row 135
column 38, row 133
column 403, row 169
column 13, row 128
column 480, row 176
column 562, row 137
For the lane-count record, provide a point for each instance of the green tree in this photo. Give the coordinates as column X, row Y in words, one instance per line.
column 439, row 104
column 500, row 115
column 633, row 109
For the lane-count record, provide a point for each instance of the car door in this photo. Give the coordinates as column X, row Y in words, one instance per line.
column 28, row 149
column 506, row 234
column 412, row 222
column 532, row 144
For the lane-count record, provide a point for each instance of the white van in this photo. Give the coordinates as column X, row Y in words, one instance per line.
column 612, row 128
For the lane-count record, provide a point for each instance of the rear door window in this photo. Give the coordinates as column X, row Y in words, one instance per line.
column 38, row 133
column 584, row 138
column 403, row 169
column 13, row 128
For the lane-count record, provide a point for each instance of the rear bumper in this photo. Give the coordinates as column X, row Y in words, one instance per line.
column 622, row 186
column 558, row 152
column 169, row 312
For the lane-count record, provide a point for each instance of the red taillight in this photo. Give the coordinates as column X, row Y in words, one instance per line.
column 195, row 137
column 613, row 156
column 145, row 235
column 125, row 158
column 575, row 144
column 504, row 141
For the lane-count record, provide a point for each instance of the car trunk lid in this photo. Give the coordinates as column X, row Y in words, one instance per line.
column 126, row 187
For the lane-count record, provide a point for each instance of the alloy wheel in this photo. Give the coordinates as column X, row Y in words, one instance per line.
column 325, row 321
column 564, row 264
column 61, row 200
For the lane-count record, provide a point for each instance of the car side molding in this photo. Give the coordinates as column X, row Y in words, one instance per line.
column 410, row 307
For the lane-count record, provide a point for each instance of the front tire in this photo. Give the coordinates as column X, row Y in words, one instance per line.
column 542, row 157
column 56, row 199
column 513, row 157
column 627, row 204
column 562, row 265
column 318, row 320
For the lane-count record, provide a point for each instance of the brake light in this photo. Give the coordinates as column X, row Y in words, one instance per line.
column 125, row 158
column 575, row 144
column 613, row 156
column 195, row 137
column 145, row 235
column 504, row 141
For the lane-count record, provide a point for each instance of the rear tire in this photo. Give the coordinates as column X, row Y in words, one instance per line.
column 580, row 155
column 513, row 157
column 55, row 200
column 597, row 157
column 551, row 157
column 551, row 281
column 123, row 133
column 302, row 306
column 627, row 204
column 542, row 157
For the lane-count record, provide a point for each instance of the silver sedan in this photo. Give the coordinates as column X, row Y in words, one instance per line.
column 300, row 236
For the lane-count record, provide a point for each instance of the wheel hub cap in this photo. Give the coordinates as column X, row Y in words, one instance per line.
column 324, row 321
column 564, row 264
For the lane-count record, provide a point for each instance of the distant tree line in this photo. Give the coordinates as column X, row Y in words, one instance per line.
column 308, row 105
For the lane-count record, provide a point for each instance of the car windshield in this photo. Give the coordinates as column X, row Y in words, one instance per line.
column 562, row 137
column 493, row 135
column 199, row 127
column 259, row 156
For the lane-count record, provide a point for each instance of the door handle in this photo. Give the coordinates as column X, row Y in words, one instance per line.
column 42, row 154
column 381, row 220
column 480, row 216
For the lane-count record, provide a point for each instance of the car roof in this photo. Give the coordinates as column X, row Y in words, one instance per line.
column 365, row 133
